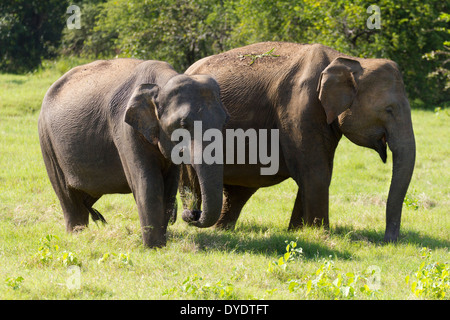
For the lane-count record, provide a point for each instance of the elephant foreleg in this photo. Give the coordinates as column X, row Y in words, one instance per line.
column 144, row 170
column 312, row 201
column 314, row 198
column 310, row 210
column 171, row 179
column 234, row 199
column 297, row 214
column 149, row 196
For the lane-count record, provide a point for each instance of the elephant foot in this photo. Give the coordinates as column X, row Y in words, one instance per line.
column 391, row 237
column 173, row 215
column 154, row 237
column 77, row 229
column 225, row 223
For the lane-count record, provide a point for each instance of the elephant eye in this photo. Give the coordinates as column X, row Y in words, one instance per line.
column 389, row 109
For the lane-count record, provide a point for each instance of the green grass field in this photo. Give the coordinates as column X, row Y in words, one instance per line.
column 349, row 261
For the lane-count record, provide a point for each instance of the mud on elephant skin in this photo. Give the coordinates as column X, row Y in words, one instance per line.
column 105, row 127
column 313, row 95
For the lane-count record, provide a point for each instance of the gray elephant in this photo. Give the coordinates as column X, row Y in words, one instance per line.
column 313, row 95
column 105, row 127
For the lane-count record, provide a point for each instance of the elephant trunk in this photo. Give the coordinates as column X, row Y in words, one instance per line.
column 403, row 147
column 210, row 178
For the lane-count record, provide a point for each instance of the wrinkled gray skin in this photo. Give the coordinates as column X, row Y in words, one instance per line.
column 312, row 94
column 105, row 127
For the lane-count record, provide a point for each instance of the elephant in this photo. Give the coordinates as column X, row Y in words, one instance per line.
column 105, row 127
column 313, row 95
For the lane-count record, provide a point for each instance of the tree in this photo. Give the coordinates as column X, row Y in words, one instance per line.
column 29, row 31
column 441, row 57
column 177, row 31
column 77, row 41
column 413, row 33
column 408, row 30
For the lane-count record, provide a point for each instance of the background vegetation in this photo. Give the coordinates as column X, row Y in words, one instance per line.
column 414, row 33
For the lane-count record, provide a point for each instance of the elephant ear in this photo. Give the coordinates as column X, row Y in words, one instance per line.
column 141, row 112
column 337, row 86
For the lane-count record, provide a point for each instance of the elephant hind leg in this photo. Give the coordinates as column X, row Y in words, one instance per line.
column 235, row 197
column 76, row 214
column 77, row 206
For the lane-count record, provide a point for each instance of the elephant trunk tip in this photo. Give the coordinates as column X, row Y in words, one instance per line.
column 192, row 216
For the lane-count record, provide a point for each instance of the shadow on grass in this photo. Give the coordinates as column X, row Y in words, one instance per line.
column 316, row 243
column 262, row 240
column 377, row 237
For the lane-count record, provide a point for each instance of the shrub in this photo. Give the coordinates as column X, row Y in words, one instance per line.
column 328, row 282
column 292, row 253
column 431, row 280
column 49, row 252
column 196, row 286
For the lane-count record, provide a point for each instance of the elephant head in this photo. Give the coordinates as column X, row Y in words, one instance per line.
column 156, row 112
column 367, row 98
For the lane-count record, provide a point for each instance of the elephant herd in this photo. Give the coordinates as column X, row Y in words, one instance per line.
column 109, row 126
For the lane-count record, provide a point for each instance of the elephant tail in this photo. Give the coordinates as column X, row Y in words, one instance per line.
column 95, row 215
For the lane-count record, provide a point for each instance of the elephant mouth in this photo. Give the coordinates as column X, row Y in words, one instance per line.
column 381, row 147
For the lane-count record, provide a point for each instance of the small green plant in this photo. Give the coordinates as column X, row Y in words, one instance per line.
column 254, row 57
column 122, row 259
column 329, row 282
column 69, row 259
column 292, row 253
column 14, row 283
column 47, row 248
column 431, row 280
column 195, row 286
column 49, row 251
column 439, row 110
column 411, row 202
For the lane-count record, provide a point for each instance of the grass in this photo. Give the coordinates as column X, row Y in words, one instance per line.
column 37, row 255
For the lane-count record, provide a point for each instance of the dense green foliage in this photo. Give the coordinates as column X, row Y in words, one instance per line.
column 29, row 31
column 182, row 32
column 413, row 33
